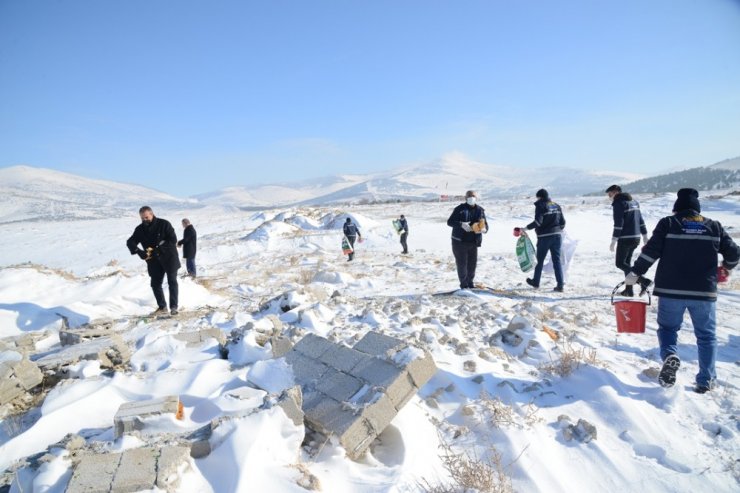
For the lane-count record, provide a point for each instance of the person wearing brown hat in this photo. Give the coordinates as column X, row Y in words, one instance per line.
column 686, row 246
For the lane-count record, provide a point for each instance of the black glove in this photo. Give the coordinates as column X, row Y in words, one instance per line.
column 141, row 253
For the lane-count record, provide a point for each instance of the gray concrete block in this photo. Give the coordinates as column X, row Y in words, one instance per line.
column 27, row 373
column 132, row 415
column 291, row 402
column 18, row 377
column 338, row 385
column 10, row 389
column 379, row 413
column 198, row 337
column 110, row 351
column 280, row 346
column 168, row 465
column 306, row 371
column 343, row 358
column 137, row 471
column 313, row 346
column 396, row 382
column 94, row 474
column 199, row 440
column 422, row 370
column 382, row 346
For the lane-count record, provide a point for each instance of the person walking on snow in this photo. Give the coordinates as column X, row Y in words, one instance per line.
column 188, row 244
column 404, row 233
column 352, row 232
column 628, row 227
column 686, row 246
column 159, row 242
column 468, row 223
column 548, row 223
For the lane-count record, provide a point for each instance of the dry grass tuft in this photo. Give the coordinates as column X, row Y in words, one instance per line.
column 570, row 360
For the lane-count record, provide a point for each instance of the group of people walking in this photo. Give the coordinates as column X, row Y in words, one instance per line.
column 686, row 245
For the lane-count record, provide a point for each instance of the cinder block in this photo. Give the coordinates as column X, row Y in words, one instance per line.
column 382, row 346
column 27, row 373
column 422, row 370
column 110, row 351
column 168, row 464
column 291, row 402
column 18, row 377
column 198, row 337
column 305, row 370
column 10, row 389
column 131, row 415
column 94, row 474
column 396, row 382
column 136, row 471
column 338, row 385
column 379, row 413
column 343, row 358
column 200, row 445
column 280, row 346
column 313, row 346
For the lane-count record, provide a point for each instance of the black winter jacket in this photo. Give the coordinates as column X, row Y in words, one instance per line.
column 159, row 235
column 628, row 223
column 687, row 245
column 351, row 229
column 404, row 225
column 548, row 218
column 464, row 213
column 188, row 242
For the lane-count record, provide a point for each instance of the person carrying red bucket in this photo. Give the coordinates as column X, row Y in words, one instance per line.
column 686, row 246
column 630, row 313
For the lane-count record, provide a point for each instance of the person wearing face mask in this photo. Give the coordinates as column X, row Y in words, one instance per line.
column 548, row 223
column 159, row 249
column 468, row 223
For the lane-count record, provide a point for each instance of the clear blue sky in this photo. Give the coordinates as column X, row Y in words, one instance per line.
column 191, row 96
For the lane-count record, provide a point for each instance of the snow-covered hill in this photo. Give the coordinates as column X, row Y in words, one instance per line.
column 28, row 193
column 452, row 174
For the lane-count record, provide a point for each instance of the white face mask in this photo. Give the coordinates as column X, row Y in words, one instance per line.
column 470, row 200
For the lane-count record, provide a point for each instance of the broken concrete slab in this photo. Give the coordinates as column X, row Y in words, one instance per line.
column 379, row 345
column 344, row 358
column 132, row 416
column 280, row 346
column 307, row 371
column 144, row 468
column 395, row 382
column 198, row 337
column 313, row 346
column 291, row 402
column 111, row 351
column 18, row 377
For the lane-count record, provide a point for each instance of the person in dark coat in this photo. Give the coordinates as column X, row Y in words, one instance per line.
column 548, row 223
column 404, row 233
column 352, row 232
column 628, row 228
column 189, row 245
column 159, row 242
column 468, row 222
column 686, row 246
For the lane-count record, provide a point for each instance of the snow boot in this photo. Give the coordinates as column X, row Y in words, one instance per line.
column 531, row 283
column 558, row 289
column 704, row 388
column 667, row 375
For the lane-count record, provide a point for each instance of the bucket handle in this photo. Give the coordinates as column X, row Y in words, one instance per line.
column 650, row 301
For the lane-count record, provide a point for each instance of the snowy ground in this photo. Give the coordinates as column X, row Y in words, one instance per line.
column 488, row 397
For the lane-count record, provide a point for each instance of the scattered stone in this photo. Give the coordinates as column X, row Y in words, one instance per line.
column 432, row 402
column 478, row 379
column 583, row 431
column 470, row 366
column 280, row 345
column 198, row 337
column 651, row 373
column 507, row 337
column 17, row 378
column 468, row 410
column 450, row 388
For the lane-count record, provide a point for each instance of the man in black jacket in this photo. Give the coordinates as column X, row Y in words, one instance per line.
column 188, row 244
column 352, row 232
column 468, row 223
column 548, row 224
column 404, row 233
column 628, row 227
column 159, row 242
column 687, row 245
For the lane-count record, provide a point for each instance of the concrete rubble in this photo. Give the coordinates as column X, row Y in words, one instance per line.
column 354, row 393
column 133, row 470
column 132, row 416
column 111, row 351
column 17, row 378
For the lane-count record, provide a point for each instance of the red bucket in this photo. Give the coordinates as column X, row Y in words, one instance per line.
column 630, row 314
column 517, row 231
column 722, row 274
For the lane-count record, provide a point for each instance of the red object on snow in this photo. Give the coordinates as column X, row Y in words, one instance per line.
column 517, row 231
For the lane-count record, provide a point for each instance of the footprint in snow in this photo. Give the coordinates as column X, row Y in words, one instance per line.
column 656, row 452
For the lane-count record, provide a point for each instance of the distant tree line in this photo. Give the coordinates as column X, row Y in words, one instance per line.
column 703, row 178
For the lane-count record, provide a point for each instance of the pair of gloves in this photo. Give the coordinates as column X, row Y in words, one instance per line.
column 472, row 229
column 613, row 245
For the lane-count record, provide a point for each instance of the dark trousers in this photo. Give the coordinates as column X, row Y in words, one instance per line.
column 351, row 240
column 625, row 249
column 466, row 259
column 157, row 273
column 190, row 265
column 550, row 244
column 403, row 242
